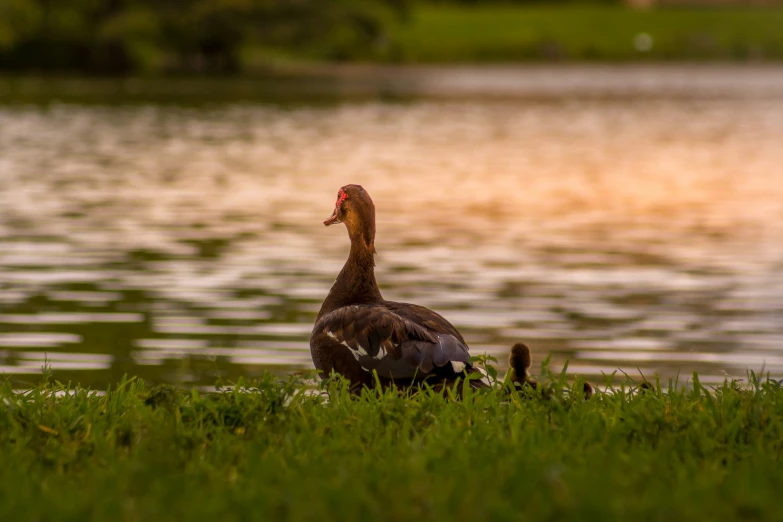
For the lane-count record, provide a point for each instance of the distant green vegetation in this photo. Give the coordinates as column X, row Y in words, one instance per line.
column 227, row 36
column 121, row 36
column 496, row 33
column 279, row 452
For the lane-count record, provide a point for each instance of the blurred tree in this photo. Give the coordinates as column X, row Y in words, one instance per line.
column 120, row 36
column 18, row 19
column 525, row 2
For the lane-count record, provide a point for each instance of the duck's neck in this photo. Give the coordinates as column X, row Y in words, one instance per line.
column 356, row 282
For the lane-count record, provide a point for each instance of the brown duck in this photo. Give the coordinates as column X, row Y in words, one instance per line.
column 357, row 331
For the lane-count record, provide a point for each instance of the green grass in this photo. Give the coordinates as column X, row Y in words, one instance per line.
column 498, row 33
column 277, row 452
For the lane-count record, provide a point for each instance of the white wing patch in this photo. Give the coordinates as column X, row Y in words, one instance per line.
column 356, row 354
column 457, row 366
column 359, row 351
column 484, row 375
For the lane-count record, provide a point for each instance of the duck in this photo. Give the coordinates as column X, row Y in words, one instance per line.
column 363, row 337
column 519, row 362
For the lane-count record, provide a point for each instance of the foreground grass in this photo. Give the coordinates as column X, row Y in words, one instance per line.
column 277, row 452
column 497, row 33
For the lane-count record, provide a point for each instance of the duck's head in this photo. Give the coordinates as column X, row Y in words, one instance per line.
column 355, row 209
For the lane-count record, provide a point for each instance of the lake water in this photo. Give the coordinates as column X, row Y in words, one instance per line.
column 617, row 218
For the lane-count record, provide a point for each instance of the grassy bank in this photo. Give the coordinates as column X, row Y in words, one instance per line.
column 278, row 453
column 448, row 34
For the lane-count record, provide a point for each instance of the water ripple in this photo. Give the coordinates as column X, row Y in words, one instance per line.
column 185, row 244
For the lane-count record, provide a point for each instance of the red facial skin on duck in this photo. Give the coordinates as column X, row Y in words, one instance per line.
column 334, row 218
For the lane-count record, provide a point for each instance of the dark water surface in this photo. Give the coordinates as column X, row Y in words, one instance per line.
column 623, row 219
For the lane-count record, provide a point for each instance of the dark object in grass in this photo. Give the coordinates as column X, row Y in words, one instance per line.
column 162, row 397
column 646, row 386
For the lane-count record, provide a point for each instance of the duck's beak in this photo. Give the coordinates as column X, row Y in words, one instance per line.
column 333, row 219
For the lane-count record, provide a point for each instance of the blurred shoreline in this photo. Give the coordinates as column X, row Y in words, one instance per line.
column 390, row 82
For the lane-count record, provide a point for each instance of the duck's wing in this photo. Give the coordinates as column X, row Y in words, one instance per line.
column 432, row 321
column 396, row 344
